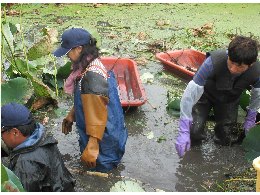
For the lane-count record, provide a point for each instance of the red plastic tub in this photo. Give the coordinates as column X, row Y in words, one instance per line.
column 184, row 63
column 131, row 90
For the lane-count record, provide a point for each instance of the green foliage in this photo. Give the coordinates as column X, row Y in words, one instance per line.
column 41, row 48
column 25, row 68
column 16, row 90
column 20, row 66
column 174, row 104
column 10, row 180
column 7, row 38
column 251, row 143
column 174, row 101
column 244, row 99
column 40, row 89
column 62, row 73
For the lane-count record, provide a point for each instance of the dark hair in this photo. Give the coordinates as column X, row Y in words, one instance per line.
column 26, row 130
column 89, row 52
column 243, row 50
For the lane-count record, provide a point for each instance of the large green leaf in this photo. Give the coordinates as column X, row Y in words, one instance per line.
column 251, row 143
column 62, row 73
column 7, row 38
column 174, row 104
column 44, row 46
column 4, row 175
column 16, row 90
column 126, row 186
column 40, row 89
column 9, row 178
column 39, row 49
column 244, row 99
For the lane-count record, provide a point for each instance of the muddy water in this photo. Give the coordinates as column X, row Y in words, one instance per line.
column 152, row 164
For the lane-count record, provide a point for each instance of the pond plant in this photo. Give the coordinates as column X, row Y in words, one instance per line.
column 30, row 75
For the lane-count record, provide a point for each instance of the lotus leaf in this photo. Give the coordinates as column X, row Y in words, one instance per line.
column 16, row 90
column 126, row 186
column 251, row 143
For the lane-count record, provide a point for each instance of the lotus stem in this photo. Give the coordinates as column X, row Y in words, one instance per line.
column 24, row 50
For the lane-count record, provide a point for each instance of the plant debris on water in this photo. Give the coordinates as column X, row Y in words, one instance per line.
column 30, row 32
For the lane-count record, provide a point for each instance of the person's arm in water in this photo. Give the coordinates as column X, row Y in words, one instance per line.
column 190, row 97
column 254, row 106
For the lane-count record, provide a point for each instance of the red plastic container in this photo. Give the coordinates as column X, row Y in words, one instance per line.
column 131, row 90
column 184, row 63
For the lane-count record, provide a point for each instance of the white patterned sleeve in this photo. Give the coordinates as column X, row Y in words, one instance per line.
column 190, row 97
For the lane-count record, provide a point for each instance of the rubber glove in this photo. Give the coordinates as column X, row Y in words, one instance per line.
column 90, row 154
column 68, row 122
column 66, row 126
column 250, row 120
column 183, row 140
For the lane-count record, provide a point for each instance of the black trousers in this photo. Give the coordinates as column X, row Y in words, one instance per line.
column 226, row 131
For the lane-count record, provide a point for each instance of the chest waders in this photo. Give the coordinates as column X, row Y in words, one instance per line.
column 222, row 93
column 112, row 145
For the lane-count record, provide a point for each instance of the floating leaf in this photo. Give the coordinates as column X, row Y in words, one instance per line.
column 174, row 104
column 244, row 99
column 251, row 143
column 150, row 135
column 161, row 138
column 126, row 186
column 147, row 78
column 16, row 90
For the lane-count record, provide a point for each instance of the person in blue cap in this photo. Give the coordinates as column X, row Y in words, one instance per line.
column 34, row 156
column 97, row 109
column 218, row 84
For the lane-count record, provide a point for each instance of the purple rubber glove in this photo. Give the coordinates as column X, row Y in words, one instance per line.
column 183, row 140
column 250, row 120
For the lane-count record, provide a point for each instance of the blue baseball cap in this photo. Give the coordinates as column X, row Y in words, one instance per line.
column 72, row 38
column 14, row 115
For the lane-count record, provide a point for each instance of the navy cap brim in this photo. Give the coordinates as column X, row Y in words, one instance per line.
column 61, row 52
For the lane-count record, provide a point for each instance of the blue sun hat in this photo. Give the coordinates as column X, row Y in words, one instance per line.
column 72, row 38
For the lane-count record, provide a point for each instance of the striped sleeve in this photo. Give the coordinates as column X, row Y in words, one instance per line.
column 204, row 72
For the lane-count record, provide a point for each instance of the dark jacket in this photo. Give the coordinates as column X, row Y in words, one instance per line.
column 223, row 87
column 38, row 164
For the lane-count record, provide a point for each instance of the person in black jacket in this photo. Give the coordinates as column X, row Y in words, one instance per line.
column 34, row 155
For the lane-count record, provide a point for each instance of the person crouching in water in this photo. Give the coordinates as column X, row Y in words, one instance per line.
column 218, row 84
column 97, row 109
